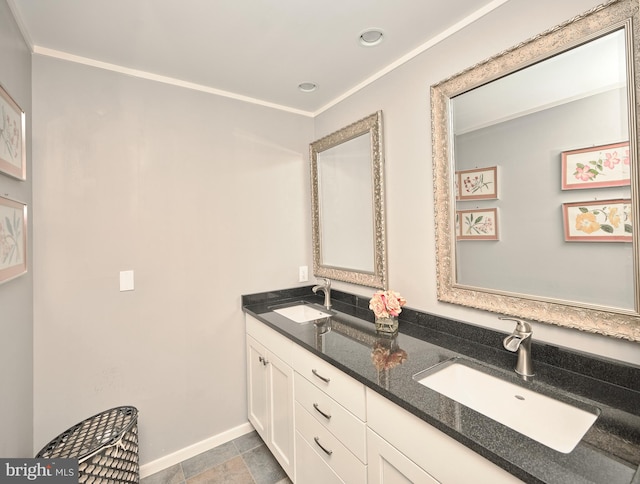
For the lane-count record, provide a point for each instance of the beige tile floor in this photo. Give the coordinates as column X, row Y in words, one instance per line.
column 245, row 460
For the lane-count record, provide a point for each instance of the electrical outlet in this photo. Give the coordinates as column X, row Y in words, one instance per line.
column 303, row 274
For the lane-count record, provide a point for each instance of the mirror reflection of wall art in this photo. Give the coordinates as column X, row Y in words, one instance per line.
column 481, row 224
column 501, row 103
column 12, row 143
column 13, row 239
column 599, row 221
column 477, row 184
column 596, row 167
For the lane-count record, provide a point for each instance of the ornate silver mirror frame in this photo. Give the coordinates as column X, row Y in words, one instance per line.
column 361, row 140
column 592, row 318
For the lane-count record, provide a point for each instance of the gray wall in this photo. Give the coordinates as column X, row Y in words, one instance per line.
column 205, row 198
column 16, row 296
column 403, row 96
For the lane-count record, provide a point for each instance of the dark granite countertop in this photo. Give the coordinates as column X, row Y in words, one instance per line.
column 608, row 453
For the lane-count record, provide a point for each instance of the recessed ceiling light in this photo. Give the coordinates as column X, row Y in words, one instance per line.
column 371, row 37
column 307, row 86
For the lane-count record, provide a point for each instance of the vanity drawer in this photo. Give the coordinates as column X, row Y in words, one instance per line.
column 345, row 426
column 339, row 386
column 346, row 465
column 310, row 467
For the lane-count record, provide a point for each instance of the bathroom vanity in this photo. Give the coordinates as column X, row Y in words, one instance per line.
column 443, row 401
column 337, row 402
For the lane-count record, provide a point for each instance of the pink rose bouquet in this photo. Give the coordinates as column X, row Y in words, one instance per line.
column 385, row 304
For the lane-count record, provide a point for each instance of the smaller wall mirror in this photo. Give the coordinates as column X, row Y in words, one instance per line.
column 347, row 202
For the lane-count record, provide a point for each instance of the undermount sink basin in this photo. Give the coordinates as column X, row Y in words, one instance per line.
column 302, row 313
column 551, row 422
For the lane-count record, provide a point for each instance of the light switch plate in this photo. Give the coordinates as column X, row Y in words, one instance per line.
column 303, row 274
column 126, row 281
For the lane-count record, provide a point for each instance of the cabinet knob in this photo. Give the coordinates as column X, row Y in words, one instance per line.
column 263, row 360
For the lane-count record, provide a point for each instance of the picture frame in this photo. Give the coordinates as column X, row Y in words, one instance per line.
column 13, row 239
column 598, row 221
column 477, row 184
column 13, row 153
column 479, row 224
column 596, row 167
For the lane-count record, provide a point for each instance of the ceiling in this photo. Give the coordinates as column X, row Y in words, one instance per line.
column 257, row 50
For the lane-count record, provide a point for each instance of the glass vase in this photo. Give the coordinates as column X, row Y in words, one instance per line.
column 387, row 325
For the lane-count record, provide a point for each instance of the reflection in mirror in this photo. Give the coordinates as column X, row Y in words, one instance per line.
column 348, row 204
column 344, row 180
column 538, row 166
column 574, row 100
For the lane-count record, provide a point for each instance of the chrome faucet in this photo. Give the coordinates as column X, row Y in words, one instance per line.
column 326, row 288
column 520, row 341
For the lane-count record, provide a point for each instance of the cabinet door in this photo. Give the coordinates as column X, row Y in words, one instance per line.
column 257, row 387
column 281, row 405
column 388, row 466
column 446, row 459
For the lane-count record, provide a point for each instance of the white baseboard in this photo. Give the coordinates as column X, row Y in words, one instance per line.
column 193, row 450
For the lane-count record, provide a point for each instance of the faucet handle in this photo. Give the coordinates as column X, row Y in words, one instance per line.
column 521, row 326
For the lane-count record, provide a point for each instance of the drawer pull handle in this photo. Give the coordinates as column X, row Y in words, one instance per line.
column 326, row 380
column 325, row 415
column 263, row 360
column 326, row 451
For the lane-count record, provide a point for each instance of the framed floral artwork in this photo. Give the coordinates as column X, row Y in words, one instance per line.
column 596, row 167
column 481, row 224
column 477, row 184
column 13, row 239
column 13, row 158
column 598, row 221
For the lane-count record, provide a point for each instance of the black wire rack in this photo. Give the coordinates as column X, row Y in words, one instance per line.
column 106, row 446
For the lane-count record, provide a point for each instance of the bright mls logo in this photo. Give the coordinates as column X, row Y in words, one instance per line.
column 50, row 471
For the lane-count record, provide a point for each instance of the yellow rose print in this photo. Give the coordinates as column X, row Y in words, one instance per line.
column 586, row 222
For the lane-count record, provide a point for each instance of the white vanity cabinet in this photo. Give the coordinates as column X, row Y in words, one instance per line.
column 330, row 415
column 403, row 448
column 270, row 391
column 324, row 427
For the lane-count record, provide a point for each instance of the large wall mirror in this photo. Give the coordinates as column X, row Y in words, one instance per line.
column 536, row 177
column 347, row 201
